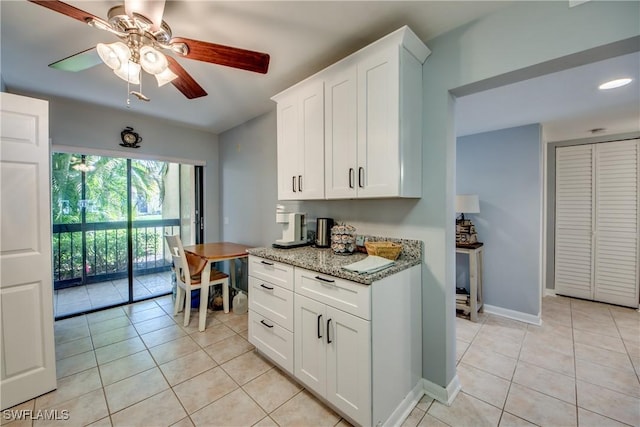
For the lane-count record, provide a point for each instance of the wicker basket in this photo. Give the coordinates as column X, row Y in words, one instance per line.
column 387, row 250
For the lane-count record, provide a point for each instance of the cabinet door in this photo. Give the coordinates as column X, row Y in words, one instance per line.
column 378, row 172
column 341, row 133
column 288, row 153
column 310, row 180
column 309, row 343
column 349, row 364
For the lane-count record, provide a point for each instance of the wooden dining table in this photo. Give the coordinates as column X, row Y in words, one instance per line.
column 221, row 251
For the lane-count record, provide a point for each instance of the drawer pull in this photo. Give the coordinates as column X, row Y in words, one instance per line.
column 266, row 263
column 266, row 287
column 325, row 280
column 319, row 334
column 266, row 324
column 329, row 332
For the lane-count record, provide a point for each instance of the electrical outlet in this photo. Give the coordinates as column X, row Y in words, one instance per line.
column 359, row 240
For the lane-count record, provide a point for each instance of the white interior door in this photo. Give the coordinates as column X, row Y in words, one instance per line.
column 26, row 289
column 617, row 223
column 574, row 225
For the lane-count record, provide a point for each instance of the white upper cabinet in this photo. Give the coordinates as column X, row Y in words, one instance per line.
column 372, row 128
column 301, row 143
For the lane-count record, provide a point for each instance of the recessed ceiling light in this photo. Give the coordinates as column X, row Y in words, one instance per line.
column 614, row 84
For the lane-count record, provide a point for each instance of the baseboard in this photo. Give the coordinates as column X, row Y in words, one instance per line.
column 443, row 395
column 405, row 407
column 512, row 314
column 549, row 292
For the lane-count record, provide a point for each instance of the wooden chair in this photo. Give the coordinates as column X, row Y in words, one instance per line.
column 191, row 272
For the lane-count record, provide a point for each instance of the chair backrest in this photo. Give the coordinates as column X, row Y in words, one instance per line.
column 179, row 259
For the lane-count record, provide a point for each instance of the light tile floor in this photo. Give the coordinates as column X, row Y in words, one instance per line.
column 97, row 295
column 136, row 365
column 580, row 368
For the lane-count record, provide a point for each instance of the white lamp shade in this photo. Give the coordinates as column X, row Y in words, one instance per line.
column 165, row 77
column 467, row 203
column 129, row 72
column 152, row 61
column 113, row 54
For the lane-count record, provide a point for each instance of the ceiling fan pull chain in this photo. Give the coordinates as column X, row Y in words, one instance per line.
column 128, row 93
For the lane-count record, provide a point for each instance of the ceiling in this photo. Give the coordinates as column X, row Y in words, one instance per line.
column 302, row 37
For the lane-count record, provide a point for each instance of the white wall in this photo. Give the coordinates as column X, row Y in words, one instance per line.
column 520, row 37
column 82, row 125
column 504, row 169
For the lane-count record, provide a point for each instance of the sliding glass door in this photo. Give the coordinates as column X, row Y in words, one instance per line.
column 110, row 216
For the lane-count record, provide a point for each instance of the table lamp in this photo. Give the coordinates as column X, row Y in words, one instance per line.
column 465, row 230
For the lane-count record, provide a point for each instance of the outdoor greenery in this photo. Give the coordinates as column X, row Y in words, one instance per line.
column 105, row 206
column 106, row 187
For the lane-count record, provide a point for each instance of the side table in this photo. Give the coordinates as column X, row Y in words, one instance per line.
column 475, row 253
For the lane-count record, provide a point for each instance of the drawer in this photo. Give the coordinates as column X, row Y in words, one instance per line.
column 272, row 301
column 272, row 340
column 272, row 271
column 351, row 297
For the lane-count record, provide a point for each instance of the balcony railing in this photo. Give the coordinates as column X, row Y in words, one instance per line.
column 98, row 251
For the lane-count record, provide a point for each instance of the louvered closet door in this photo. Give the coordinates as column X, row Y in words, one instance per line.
column 616, row 219
column 574, row 227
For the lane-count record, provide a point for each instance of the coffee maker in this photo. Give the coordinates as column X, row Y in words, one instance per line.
column 294, row 229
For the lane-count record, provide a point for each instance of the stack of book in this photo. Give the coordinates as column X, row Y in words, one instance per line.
column 462, row 296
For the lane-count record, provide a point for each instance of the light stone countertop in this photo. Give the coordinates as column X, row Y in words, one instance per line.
column 327, row 262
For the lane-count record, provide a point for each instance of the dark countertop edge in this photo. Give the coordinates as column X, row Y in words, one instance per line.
column 367, row 279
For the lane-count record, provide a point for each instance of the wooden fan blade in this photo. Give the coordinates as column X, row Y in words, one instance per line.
column 79, row 61
column 66, row 9
column 184, row 82
column 225, row 55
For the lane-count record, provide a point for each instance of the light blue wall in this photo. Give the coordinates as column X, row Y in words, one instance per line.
column 519, row 37
column 504, row 169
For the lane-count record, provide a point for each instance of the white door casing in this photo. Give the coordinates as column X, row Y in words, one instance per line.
column 26, row 287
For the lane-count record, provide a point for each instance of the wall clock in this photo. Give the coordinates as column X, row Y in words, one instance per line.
column 130, row 139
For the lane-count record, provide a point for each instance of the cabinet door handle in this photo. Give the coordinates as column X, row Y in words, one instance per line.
column 325, row 280
column 329, row 331
column 266, row 287
column 361, row 177
column 266, row 263
column 293, row 183
column 266, row 324
column 300, row 183
column 319, row 322
column 351, row 177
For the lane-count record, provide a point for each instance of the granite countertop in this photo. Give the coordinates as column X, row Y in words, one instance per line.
column 326, row 261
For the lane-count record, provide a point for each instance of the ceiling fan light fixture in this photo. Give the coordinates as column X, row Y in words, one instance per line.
column 114, row 54
column 152, row 60
column 165, row 77
column 129, row 72
column 612, row 84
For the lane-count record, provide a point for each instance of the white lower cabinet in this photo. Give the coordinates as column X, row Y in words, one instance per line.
column 332, row 356
column 356, row 346
column 271, row 310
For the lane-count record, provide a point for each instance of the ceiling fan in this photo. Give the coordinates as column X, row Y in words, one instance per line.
column 143, row 35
